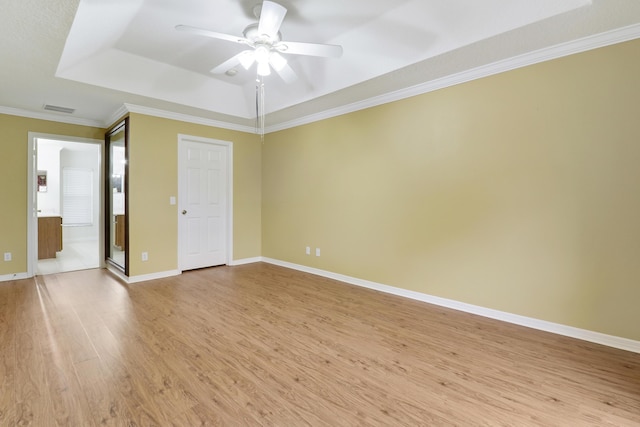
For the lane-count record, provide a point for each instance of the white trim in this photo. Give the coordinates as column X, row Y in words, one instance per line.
column 116, row 116
column 117, row 272
column 14, row 276
column 50, row 117
column 554, row 52
column 596, row 41
column 181, row 117
column 245, row 261
column 143, row 277
column 556, row 328
column 153, row 276
column 32, row 217
column 229, row 202
column 182, row 138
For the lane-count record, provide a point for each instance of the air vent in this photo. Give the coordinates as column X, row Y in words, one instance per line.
column 59, row 109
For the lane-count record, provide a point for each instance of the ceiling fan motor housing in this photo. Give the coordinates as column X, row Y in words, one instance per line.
column 251, row 33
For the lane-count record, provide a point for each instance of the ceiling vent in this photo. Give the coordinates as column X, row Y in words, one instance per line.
column 59, row 109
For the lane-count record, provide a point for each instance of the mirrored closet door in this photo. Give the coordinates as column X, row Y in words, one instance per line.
column 116, row 201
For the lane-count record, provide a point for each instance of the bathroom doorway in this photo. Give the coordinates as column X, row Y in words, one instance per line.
column 67, row 203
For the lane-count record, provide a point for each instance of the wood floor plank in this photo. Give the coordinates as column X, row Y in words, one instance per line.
column 33, row 401
column 105, row 401
column 7, row 354
column 264, row 345
column 217, row 347
column 7, row 388
column 127, row 380
column 69, row 404
column 174, row 368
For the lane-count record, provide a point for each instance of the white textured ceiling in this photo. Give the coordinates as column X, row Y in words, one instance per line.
column 96, row 55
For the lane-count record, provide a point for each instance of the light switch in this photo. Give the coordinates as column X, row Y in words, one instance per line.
column 172, row 200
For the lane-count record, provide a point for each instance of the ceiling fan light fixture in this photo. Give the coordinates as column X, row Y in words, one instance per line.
column 277, row 61
column 262, row 54
column 264, row 69
column 247, row 59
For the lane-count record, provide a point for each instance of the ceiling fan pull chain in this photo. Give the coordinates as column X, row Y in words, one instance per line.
column 262, row 112
column 257, row 106
column 260, row 120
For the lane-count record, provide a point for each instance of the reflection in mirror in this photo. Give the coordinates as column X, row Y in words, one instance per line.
column 116, row 144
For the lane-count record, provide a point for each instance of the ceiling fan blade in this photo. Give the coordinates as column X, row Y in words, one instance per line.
column 279, row 64
column 234, row 61
column 287, row 74
column 310, row 49
column 212, row 34
column 271, row 18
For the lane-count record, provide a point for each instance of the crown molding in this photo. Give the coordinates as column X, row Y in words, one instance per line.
column 558, row 51
column 116, row 115
column 148, row 111
column 50, row 117
column 542, row 55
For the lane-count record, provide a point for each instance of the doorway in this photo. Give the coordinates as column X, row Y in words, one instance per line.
column 65, row 213
column 205, row 189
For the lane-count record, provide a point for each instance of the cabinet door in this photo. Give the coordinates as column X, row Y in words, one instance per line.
column 49, row 236
column 119, row 231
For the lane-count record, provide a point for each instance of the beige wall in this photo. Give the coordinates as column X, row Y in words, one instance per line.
column 153, row 170
column 153, row 174
column 518, row 192
column 14, row 133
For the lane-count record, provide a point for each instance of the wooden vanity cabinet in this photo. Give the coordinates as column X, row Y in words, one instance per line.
column 120, row 222
column 49, row 236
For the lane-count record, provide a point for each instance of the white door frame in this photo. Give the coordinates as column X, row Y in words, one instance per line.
column 32, row 214
column 183, row 139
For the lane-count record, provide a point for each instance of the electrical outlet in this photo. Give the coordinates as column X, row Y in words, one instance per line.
column 317, row 251
column 7, row 256
column 145, row 256
column 308, row 250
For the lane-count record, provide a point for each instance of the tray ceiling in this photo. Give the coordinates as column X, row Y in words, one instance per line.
column 97, row 55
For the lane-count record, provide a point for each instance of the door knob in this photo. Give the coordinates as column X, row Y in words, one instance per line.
column 184, row 212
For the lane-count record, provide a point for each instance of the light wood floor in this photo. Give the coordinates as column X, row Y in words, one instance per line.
column 263, row 345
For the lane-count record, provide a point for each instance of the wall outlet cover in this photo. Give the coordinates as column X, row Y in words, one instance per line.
column 7, row 256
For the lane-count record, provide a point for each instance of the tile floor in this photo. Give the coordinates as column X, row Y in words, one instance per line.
column 74, row 256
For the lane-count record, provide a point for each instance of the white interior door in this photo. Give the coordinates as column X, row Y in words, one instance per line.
column 203, row 202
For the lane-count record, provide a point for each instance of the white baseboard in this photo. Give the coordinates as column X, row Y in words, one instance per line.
column 245, row 261
column 153, row 276
column 543, row 325
column 142, row 277
column 14, row 276
column 113, row 270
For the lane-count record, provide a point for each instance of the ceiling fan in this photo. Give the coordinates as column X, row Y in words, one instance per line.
column 265, row 44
